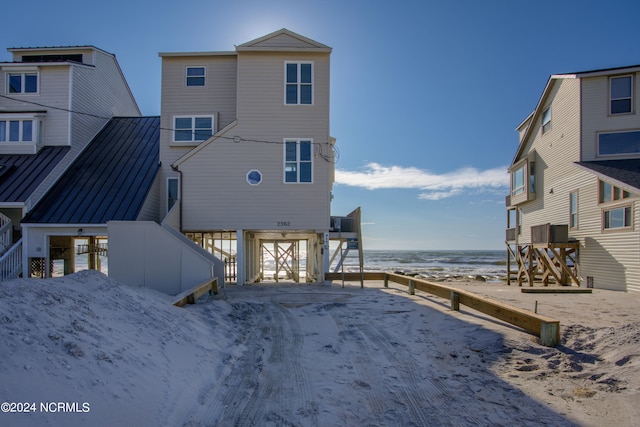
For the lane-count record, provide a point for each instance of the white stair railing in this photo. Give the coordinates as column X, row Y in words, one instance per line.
column 6, row 232
column 11, row 262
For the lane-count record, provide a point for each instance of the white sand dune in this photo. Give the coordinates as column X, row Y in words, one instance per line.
column 309, row 355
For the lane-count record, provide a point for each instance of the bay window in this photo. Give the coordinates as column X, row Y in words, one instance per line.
column 523, row 180
column 17, row 130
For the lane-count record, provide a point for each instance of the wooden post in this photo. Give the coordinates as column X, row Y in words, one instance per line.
column 455, row 300
column 412, row 287
column 550, row 333
column 386, row 280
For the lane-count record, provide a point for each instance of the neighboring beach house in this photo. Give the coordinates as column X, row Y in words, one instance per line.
column 573, row 209
column 53, row 101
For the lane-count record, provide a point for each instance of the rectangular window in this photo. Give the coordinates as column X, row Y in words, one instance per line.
column 573, row 210
column 621, row 90
column 195, row 76
column 173, row 192
column 192, row 128
column 22, row 83
column 546, row 120
column 517, row 181
column 298, row 161
column 298, row 83
column 16, row 131
column 617, row 218
column 619, row 143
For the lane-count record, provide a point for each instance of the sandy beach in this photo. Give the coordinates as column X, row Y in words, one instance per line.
column 311, row 355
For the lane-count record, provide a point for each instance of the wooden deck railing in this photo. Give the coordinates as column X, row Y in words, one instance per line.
column 191, row 295
column 546, row 328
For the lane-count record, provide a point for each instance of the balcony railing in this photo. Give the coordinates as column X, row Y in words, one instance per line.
column 547, row 233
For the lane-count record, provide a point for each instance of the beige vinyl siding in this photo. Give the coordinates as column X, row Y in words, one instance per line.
column 216, row 194
column 261, row 94
column 611, row 258
column 556, row 151
column 596, row 117
column 151, row 206
column 282, row 41
column 217, row 97
column 89, row 91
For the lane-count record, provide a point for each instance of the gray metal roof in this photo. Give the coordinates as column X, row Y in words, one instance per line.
column 109, row 180
column 21, row 174
column 626, row 172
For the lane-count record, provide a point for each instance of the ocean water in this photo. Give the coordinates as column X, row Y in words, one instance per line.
column 434, row 264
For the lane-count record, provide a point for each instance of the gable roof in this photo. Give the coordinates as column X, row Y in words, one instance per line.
column 21, row 174
column 533, row 117
column 625, row 173
column 283, row 40
column 109, row 180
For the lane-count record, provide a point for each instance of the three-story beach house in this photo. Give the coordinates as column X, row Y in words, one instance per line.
column 247, row 165
column 573, row 209
column 53, row 101
column 247, row 156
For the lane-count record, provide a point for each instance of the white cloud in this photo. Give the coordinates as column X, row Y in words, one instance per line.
column 438, row 186
column 437, row 195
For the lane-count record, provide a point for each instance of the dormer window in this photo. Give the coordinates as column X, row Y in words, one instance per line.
column 22, row 82
column 16, row 131
column 621, row 91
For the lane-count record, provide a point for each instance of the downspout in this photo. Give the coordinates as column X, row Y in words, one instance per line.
column 175, row 169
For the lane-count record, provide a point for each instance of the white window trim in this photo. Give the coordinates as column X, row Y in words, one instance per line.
column 193, row 141
column 299, row 83
column 35, row 131
column 298, row 161
column 22, row 72
column 631, row 97
column 186, row 75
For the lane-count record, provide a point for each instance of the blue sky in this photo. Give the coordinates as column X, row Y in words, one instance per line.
column 425, row 95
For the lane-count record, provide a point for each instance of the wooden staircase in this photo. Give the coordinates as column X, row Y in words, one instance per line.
column 10, row 251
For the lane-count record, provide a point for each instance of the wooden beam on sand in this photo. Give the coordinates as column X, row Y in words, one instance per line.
column 191, row 295
column 547, row 328
column 562, row 290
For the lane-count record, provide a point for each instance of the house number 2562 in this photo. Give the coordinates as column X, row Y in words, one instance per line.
column 284, row 223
